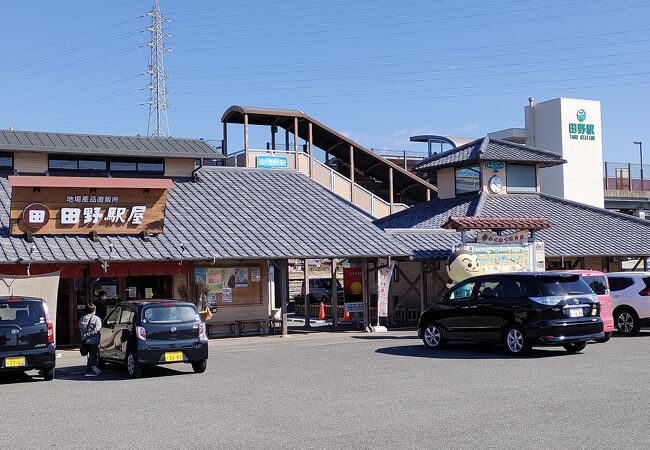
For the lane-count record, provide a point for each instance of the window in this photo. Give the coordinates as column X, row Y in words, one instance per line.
column 113, row 317
column 560, row 285
column 597, row 283
column 521, row 178
column 6, row 161
column 170, row 314
column 618, row 284
column 127, row 316
column 462, row 293
column 468, row 179
column 104, row 164
column 490, row 289
column 520, row 288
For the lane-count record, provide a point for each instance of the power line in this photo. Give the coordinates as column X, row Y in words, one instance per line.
column 320, row 62
column 332, row 39
column 422, row 80
column 419, row 72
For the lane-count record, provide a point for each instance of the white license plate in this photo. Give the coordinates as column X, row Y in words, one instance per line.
column 576, row 312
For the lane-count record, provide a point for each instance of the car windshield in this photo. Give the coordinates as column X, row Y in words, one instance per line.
column 562, row 285
column 597, row 283
column 170, row 314
column 21, row 312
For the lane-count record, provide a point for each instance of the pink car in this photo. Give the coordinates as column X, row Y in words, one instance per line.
column 598, row 283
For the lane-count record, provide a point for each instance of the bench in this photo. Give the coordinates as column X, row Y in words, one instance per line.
column 259, row 323
column 232, row 326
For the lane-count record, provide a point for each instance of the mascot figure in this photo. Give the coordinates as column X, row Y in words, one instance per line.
column 462, row 265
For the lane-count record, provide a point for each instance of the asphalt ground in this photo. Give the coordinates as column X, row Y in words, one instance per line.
column 344, row 390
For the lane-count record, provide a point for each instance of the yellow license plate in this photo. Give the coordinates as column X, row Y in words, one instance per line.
column 18, row 361
column 173, row 356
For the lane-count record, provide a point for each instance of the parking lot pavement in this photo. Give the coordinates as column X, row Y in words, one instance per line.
column 345, row 390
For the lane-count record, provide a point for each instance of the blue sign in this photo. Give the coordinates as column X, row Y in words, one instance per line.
column 581, row 115
column 272, row 162
column 495, row 165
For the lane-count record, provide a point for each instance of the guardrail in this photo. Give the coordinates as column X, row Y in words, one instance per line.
column 325, row 176
column 626, row 177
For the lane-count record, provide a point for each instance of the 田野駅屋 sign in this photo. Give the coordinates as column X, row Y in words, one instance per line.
column 75, row 205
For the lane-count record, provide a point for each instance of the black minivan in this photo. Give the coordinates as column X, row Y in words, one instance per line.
column 150, row 332
column 519, row 310
column 26, row 336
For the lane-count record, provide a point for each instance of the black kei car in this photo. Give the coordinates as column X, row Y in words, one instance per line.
column 151, row 332
column 26, row 336
column 519, row 310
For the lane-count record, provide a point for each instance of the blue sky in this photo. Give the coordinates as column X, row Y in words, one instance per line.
column 378, row 70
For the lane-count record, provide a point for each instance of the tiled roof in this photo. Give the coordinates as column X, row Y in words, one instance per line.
column 578, row 229
column 228, row 213
column 431, row 215
column 425, row 244
column 72, row 143
column 489, row 149
column 496, row 223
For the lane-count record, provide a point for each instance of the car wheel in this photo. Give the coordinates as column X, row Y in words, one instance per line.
column 627, row 322
column 607, row 337
column 432, row 336
column 132, row 367
column 516, row 342
column 48, row 374
column 575, row 347
column 200, row 366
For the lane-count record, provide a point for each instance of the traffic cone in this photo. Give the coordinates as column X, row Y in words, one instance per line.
column 321, row 311
column 346, row 317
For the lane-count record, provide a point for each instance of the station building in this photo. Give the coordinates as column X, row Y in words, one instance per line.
column 137, row 217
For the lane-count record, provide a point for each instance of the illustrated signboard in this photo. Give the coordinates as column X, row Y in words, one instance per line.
column 78, row 205
column 509, row 258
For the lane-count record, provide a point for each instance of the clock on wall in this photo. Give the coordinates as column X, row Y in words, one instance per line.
column 495, row 184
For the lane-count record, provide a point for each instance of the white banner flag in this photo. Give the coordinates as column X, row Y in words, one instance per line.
column 383, row 284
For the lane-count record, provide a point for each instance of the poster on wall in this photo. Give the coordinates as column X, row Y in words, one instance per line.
column 200, row 274
column 236, row 277
column 212, row 301
column 226, row 295
column 214, row 280
column 352, row 283
column 255, row 275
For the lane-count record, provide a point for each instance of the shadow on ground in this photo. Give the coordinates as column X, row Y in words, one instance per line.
column 463, row 350
column 114, row 373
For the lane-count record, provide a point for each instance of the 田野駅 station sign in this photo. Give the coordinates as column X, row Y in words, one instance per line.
column 80, row 205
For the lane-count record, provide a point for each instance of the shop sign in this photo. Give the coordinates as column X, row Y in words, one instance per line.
column 496, row 165
column 582, row 131
column 352, row 281
column 490, row 237
column 54, row 208
column 272, row 162
column 503, row 258
column 354, row 307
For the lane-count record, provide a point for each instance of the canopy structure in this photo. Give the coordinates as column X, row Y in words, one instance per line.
column 366, row 165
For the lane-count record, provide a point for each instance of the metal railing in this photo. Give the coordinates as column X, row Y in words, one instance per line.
column 626, row 177
column 326, row 177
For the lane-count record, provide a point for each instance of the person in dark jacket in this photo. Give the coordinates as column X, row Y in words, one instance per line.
column 89, row 327
column 101, row 305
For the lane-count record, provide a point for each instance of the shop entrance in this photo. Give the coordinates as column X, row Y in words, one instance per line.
column 64, row 312
column 143, row 287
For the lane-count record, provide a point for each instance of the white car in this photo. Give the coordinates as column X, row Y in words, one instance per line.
column 630, row 300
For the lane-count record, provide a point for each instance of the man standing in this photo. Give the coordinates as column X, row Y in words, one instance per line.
column 101, row 304
column 89, row 327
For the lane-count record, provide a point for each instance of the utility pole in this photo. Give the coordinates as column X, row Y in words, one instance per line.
column 158, row 125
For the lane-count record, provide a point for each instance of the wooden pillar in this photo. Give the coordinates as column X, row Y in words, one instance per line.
column 365, row 293
column 353, row 193
column 224, row 147
column 305, row 293
column 311, row 151
column 295, row 142
column 423, row 286
column 334, row 295
column 390, row 188
column 245, row 140
column 284, row 293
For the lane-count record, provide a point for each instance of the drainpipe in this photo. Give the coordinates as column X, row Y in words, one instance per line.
column 197, row 169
